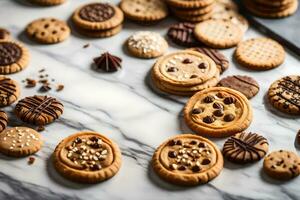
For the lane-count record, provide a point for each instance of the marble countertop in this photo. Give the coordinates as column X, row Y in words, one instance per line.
column 122, row 106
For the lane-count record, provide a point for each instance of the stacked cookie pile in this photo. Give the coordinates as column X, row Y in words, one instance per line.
column 272, row 8
column 192, row 11
column 98, row 20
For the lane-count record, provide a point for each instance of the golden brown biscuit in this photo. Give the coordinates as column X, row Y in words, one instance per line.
column 9, row 91
column 47, row 2
column 101, row 33
column 3, row 120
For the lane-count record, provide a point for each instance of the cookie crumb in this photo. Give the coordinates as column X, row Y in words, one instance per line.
column 41, row 71
column 86, row 45
column 31, row 160
column 30, row 83
column 45, row 88
column 40, row 128
column 60, row 87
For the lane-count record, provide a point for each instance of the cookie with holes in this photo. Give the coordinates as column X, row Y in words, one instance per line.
column 284, row 94
column 47, row 2
column 48, row 30
column 87, row 157
column 218, row 112
column 260, row 54
column 145, row 11
column 187, row 160
column 39, row 110
column 184, row 73
column 282, row 165
column 9, row 91
column 218, row 33
column 14, row 57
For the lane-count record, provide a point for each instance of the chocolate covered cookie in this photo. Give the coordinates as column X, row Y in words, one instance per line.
column 39, row 110
column 9, row 91
column 87, row 157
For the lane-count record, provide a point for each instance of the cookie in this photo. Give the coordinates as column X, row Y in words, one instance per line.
column 298, row 137
column 218, row 33
column 9, row 91
column 87, row 157
column 187, row 160
column 182, row 34
column 14, row 57
column 47, row 2
column 282, row 165
column 194, row 19
column 144, row 10
column 39, row 110
column 146, row 44
column 48, row 30
column 189, row 4
column 278, row 3
column 20, row 141
column 260, row 54
column 101, row 33
column 245, row 148
column 220, row 60
column 4, row 34
column 244, row 84
column 225, row 6
column 98, row 16
column 3, row 120
column 193, row 11
column 218, row 112
column 284, row 94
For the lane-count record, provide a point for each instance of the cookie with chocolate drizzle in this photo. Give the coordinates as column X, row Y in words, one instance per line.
column 87, row 157
column 9, row 91
column 187, row 160
column 245, row 148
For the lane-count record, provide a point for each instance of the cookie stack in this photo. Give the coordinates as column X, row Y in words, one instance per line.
column 192, row 11
column 98, row 20
column 185, row 73
column 272, row 8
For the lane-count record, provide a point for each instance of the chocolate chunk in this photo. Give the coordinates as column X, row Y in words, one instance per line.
column 205, row 161
column 172, row 154
column 193, row 142
column 229, row 100
column 202, row 66
column 31, row 160
column 229, row 117
column 183, row 34
column 97, row 12
column 193, row 76
column 220, row 95
column 78, row 140
column 201, row 145
column 179, row 142
column 208, row 99
column 218, row 106
column 45, row 88
column 172, row 143
column 30, row 83
column 196, row 168
column 60, row 88
column 9, row 53
column 108, row 62
column 218, row 113
column 172, row 69
column 182, row 167
column 95, row 167
column 208, row 119
column 86, row 46
column 187, row 61
column 196, row 111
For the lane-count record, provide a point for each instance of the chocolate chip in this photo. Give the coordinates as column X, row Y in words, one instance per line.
column 182, row 168
column 94, row 139
column 205, row 161
column 59, row 88
column 187, row 61
column 229, row 117
column 217, row 105
column 220, row 95
column 172, row 69
column 193, row 142
column 31, row 160
column 202, row 66
column 178, row 142
column 172, row 154
column 196, row 168
column 209, row 99
column 229, row 100
column 194, row 76
column 172, row 143
column 78, row 140
column 96, row 167
column 218, row 113
column 201, row 145
column 208, row 119
column 196, row 111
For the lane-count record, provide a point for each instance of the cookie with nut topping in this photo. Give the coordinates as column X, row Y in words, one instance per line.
column 20, row 141
column 87, row 157
column 187, row 160
column 218, row 112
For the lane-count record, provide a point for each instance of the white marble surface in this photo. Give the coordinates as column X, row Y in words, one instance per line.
column 123, row 107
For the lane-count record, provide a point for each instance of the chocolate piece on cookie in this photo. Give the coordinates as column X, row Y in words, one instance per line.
column 20, row 141
column 244, row 84
column 282, row 165
column 87, row 157
column 284, row 94
column 182, row 34
column 245, row 148
column 9, row 91
column 14, row 57
column 4, row 34
column 108, row 62
column 3, row 120
column 187, row 160
column 39, row 110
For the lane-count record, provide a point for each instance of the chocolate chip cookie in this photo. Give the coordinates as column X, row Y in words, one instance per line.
column 87, row 157
column 187, row 160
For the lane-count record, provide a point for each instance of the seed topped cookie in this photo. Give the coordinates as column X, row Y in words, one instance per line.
column 218, row 112
column 4, row 34
column 218, row 33
column 187, row 160
column 98, row 16
column 9, row 91
column 284, row 94
column 20, row 141
column 144, row 10
column 245, row 148
column 48, row 30
column 87, row 157
column 3, row 120
column 39, row 110
column 260, row 53
column 282, row 165
column 14, row 57
column 146, row 44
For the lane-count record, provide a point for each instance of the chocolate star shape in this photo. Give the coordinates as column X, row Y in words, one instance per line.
column 108, row 62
